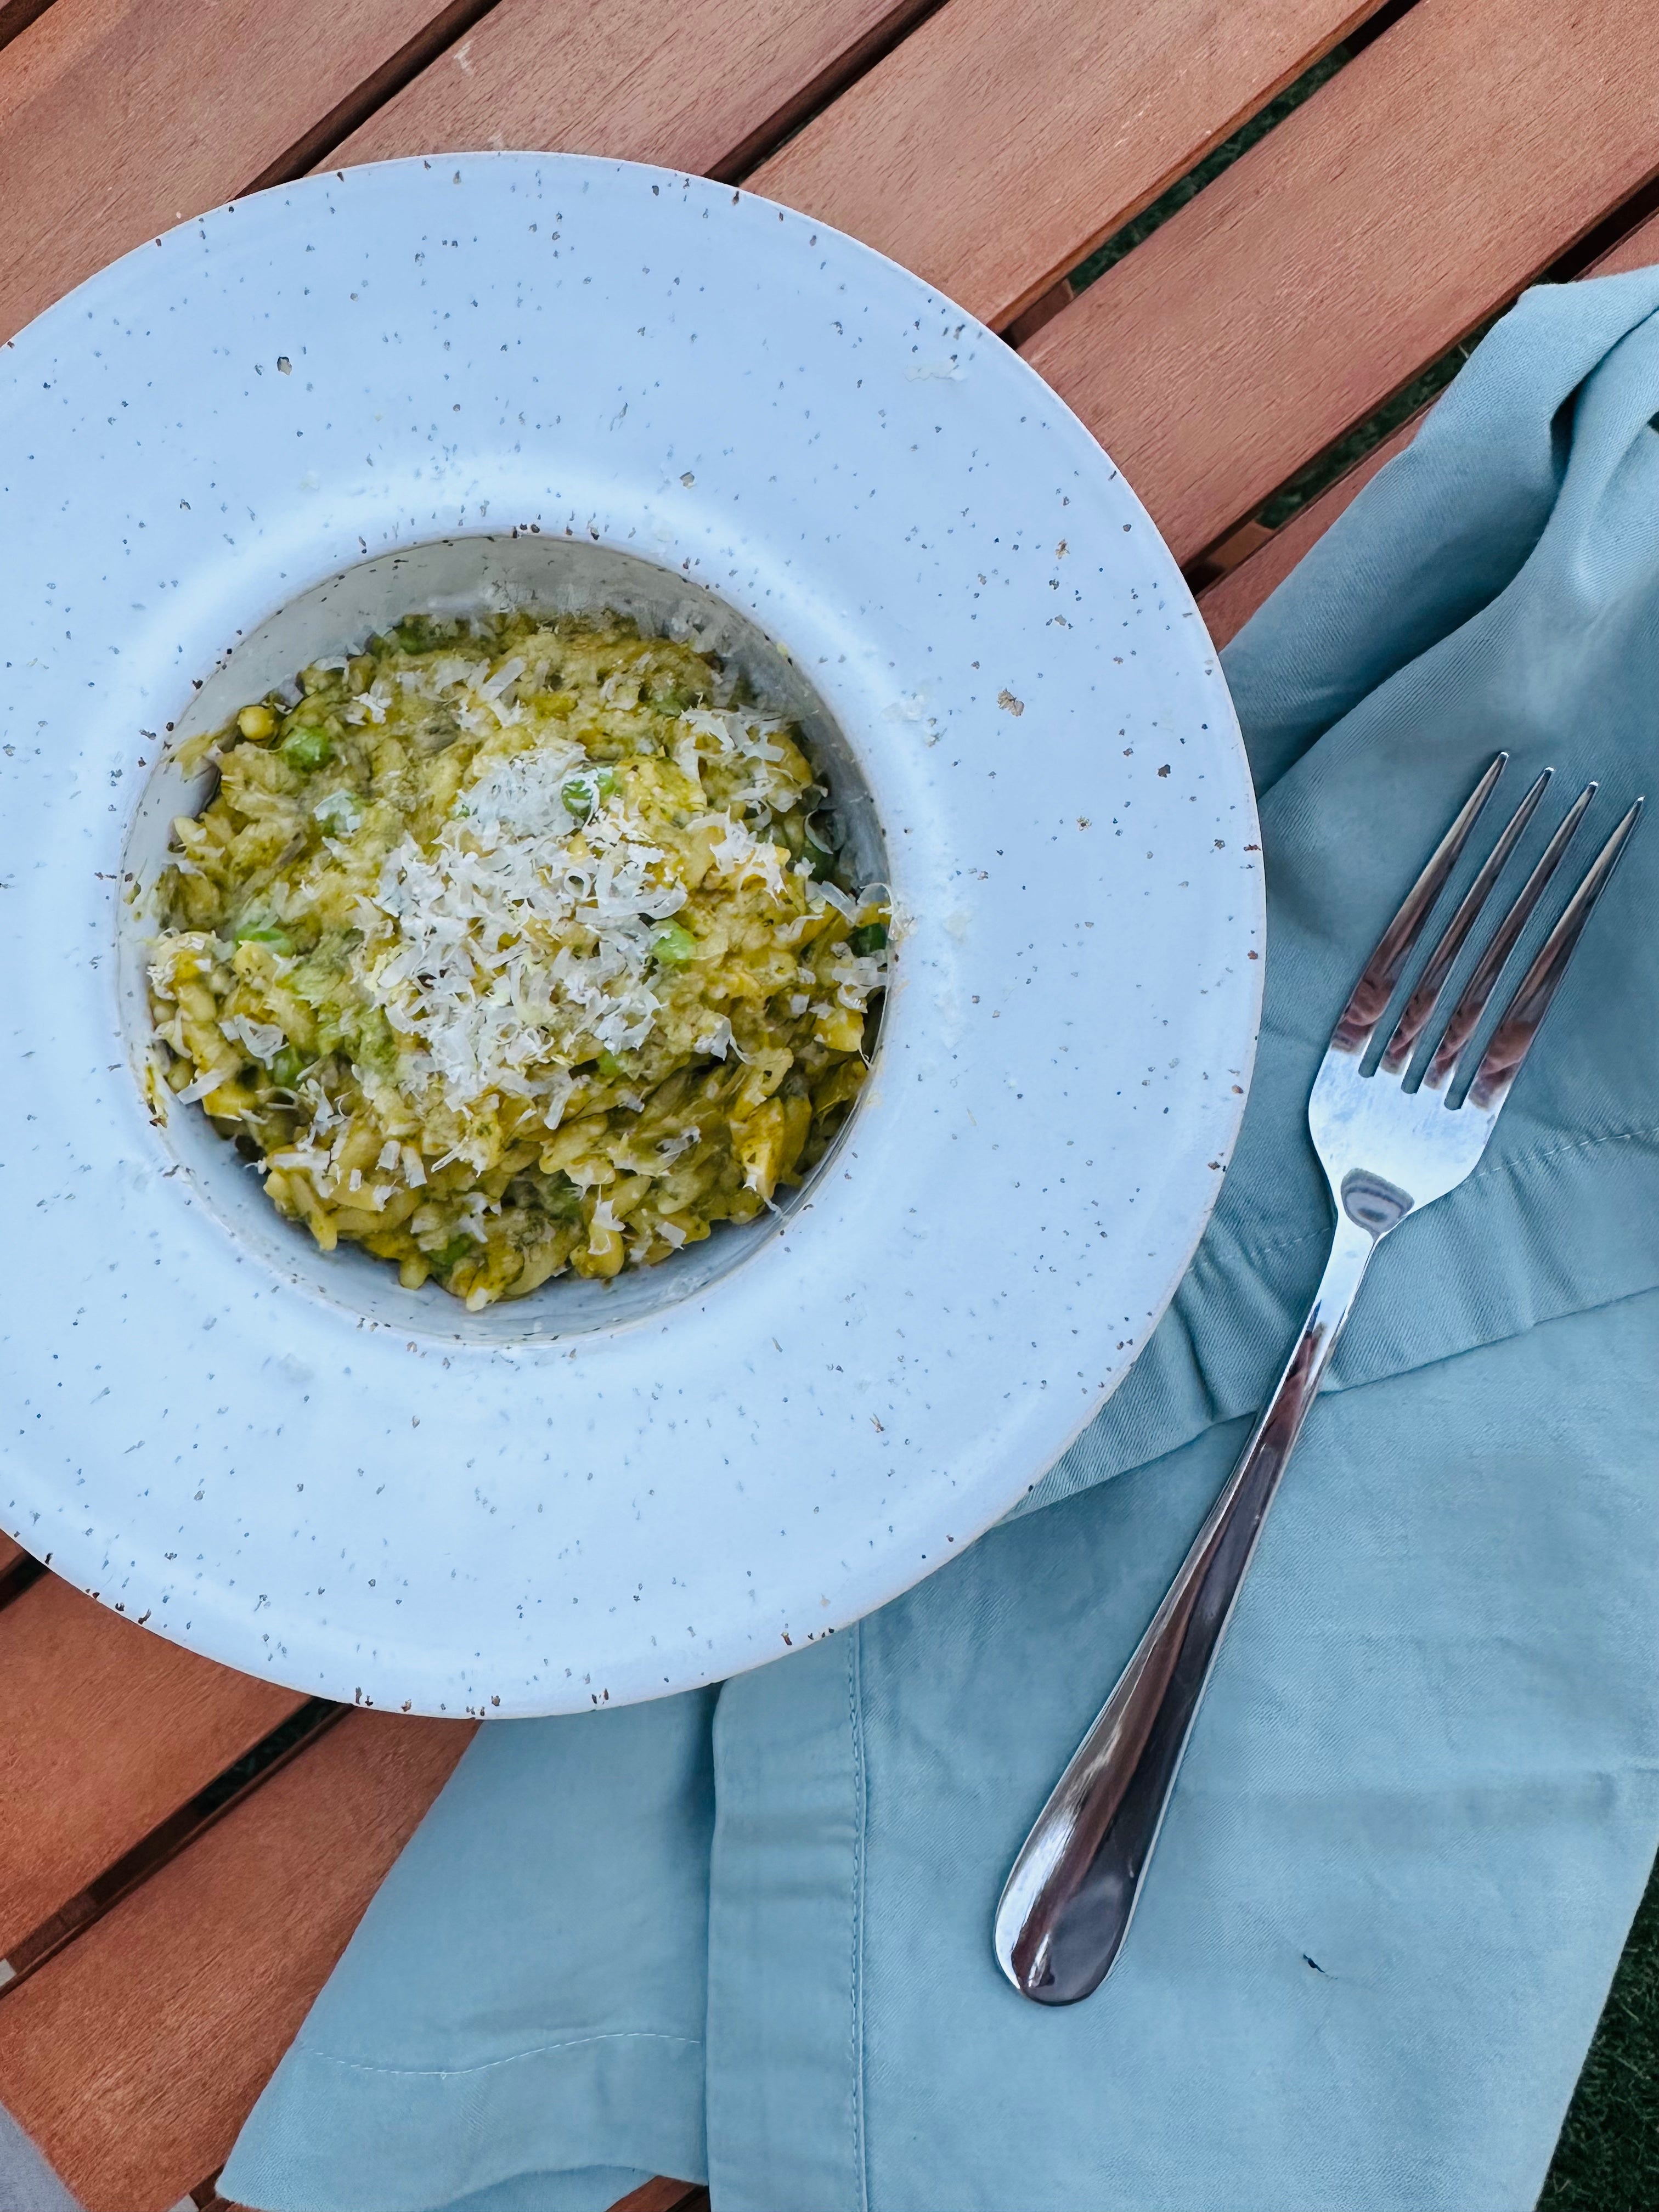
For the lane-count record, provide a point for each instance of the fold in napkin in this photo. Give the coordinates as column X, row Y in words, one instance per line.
column 747, row 1937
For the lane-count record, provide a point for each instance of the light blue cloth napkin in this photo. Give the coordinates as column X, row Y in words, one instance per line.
column 748, row 1937
column 26, row 2182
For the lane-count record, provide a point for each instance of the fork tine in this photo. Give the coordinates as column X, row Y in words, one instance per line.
column 1466, row 1016
column 1372, row 992
column 1419, row 1007
column 1512, row 1040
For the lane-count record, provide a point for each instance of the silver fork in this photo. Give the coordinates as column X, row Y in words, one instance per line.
column 1387, row 1151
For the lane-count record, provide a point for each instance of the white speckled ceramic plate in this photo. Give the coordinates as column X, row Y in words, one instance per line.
column 754, row 425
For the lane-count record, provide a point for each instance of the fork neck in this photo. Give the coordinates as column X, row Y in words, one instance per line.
column 1345, row 1270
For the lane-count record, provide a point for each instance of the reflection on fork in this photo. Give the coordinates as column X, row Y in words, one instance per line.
column 1388, row 1148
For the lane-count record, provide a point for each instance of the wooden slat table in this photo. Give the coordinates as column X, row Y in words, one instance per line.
column 184, row 1852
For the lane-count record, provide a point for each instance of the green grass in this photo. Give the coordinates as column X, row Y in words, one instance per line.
column 1608, row 2158
column 1140, row 228
column 1337, row 459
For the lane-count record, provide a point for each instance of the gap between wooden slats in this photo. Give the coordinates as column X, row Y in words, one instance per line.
column 994, row 150
column 1422, row 186
column 119, row 118
column 107, row 1731
column 17, row 1570
column 16, row 15
column 30, row 1954
column 276, row 89
column 639, row 80
column 134, row 2055
column 1228, row 605
column 1639, row 249
column 1229, row 602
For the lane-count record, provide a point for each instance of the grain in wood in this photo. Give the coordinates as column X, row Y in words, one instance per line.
column 676, row 81
column 120, row 118
column 1420, row 188
column 134, row 2055
column 1228, row 605
column 998, row 145
column 106, row 1730
column 665, row 2196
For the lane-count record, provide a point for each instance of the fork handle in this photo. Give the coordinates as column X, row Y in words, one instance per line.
column 1068, row 1900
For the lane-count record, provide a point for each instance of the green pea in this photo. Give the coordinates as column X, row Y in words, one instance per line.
column 255, row 929
column 583, row 794
column 868, row 937
column 287, row 1067
column 307, row 749
column 673, row 944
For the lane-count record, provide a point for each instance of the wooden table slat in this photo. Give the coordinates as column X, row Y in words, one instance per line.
column 1420, row 188
column 664, row 2196
column 134, row 2055
column 1005, row 139
column 1228, row 605
column 1229, row 602
column 119, row 118
column 1639, row 249
column 638, row 79
column 108, row 1729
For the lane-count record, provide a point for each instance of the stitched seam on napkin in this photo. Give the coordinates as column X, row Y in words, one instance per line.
column 512, row 2058
column 861, row 1802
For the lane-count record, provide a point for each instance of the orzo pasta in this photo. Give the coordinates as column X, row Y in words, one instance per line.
column 515, row 945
